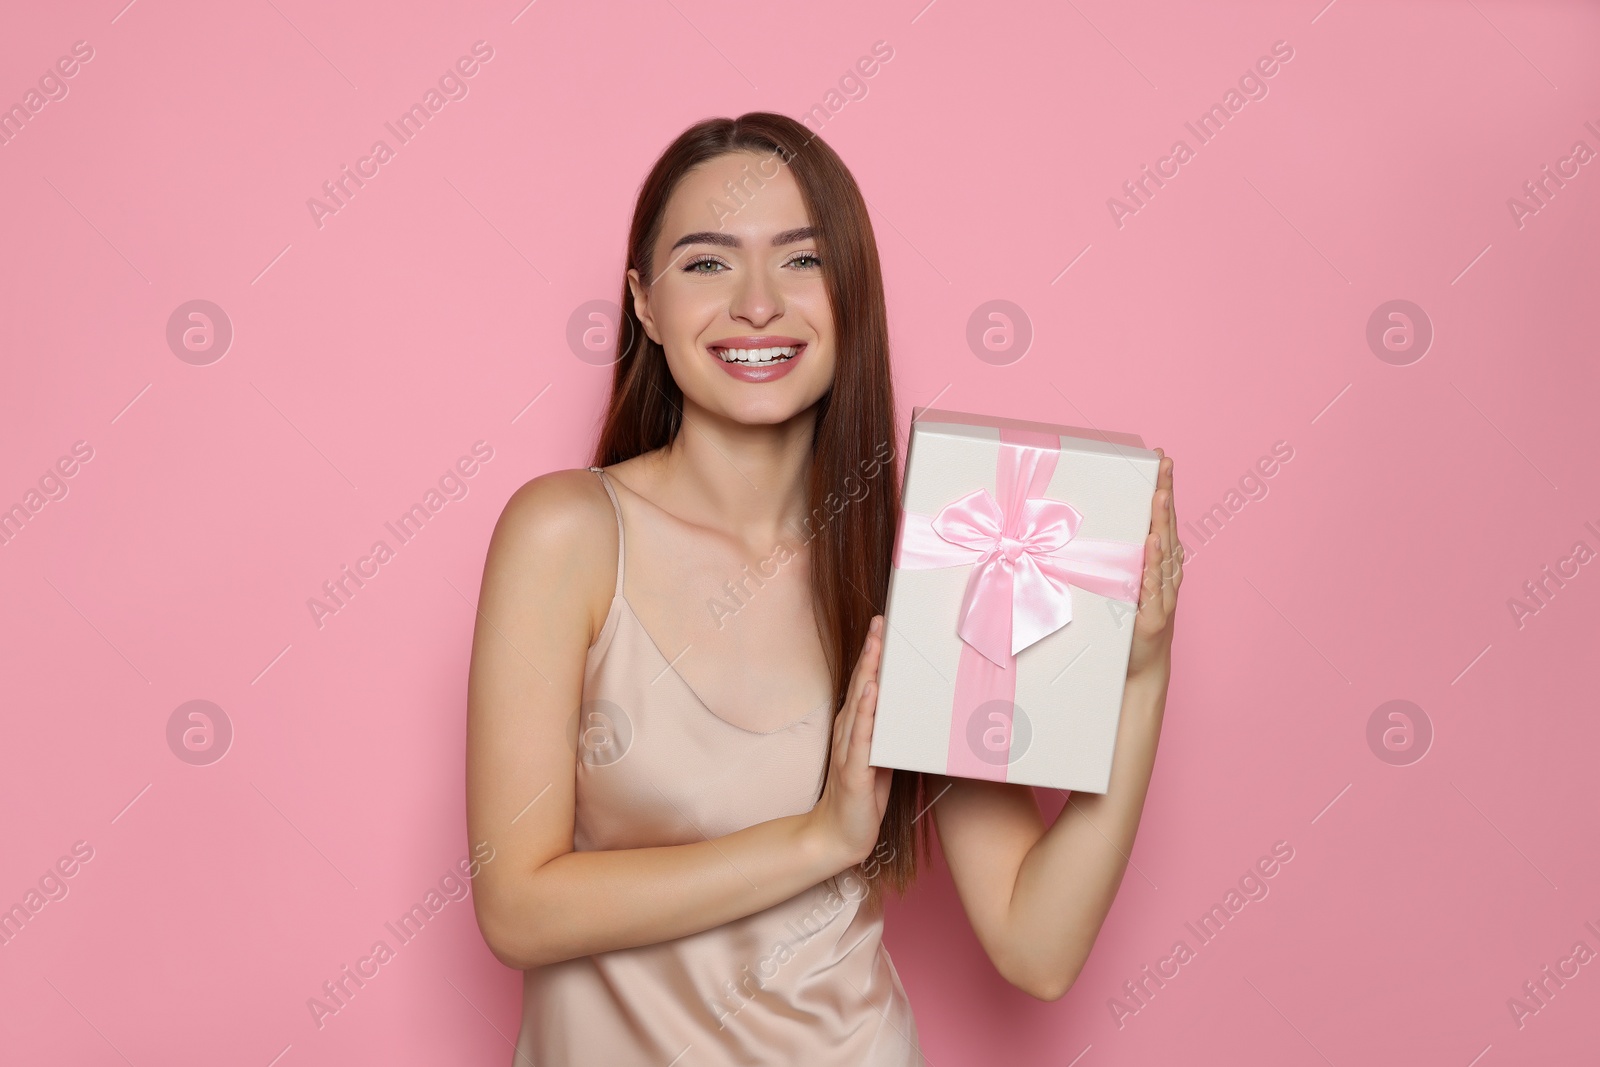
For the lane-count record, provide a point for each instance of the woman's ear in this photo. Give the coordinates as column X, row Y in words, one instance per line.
column 641, row 305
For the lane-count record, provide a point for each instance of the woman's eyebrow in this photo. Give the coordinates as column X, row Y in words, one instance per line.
column 728, row 240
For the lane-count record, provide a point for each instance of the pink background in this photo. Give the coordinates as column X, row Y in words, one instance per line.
column 1229, row 313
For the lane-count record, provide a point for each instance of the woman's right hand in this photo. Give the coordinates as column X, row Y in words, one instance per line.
column 850, row 811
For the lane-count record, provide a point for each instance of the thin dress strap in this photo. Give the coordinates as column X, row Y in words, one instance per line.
column 612, row 493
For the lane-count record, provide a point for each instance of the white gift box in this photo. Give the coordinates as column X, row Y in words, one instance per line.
column 1012, row 600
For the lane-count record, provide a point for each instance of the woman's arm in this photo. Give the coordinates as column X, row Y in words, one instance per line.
column 1037, row 897
column 550, row 565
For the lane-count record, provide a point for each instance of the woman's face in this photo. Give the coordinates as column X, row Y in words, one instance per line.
column 736, row 276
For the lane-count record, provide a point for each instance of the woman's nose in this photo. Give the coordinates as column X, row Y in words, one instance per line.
column 757, row 300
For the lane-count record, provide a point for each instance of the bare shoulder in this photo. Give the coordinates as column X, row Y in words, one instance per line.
column 559, row 506
column 557, row 534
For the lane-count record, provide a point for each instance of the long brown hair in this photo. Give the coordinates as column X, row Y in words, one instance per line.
column 851, row 530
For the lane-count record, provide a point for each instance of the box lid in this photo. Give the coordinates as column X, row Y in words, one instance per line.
column 948, row 421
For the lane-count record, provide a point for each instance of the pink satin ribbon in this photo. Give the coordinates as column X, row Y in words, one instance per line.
column 1025, row 556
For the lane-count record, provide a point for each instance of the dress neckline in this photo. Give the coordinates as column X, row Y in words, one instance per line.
column 693, row 694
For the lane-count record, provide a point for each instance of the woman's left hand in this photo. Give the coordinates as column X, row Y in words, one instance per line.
column 1163, row 574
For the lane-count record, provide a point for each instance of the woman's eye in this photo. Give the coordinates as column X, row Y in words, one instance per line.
column 805, row 260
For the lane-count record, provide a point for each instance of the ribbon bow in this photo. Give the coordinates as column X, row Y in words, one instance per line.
column 1025, row 559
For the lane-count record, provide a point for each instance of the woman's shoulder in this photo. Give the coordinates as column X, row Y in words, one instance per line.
column 559, row 525
column 559, row 511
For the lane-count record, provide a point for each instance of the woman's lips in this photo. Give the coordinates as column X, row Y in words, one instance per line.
column 761, row 372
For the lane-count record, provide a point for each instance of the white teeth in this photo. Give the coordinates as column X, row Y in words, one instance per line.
column 756, row 355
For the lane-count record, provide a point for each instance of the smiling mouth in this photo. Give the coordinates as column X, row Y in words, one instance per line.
column 758, row 357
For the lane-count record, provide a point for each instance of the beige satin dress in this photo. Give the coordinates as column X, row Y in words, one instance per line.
column 807, row 981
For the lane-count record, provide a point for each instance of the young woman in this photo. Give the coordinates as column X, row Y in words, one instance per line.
column 673, row 676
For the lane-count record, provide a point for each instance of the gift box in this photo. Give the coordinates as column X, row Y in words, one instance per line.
column 1017, row 569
